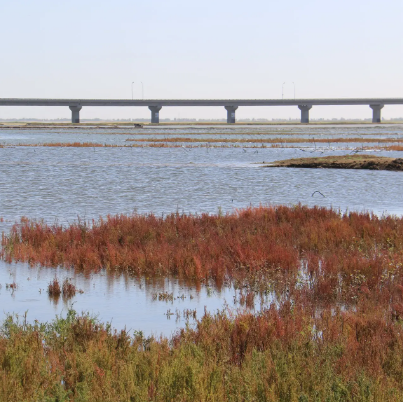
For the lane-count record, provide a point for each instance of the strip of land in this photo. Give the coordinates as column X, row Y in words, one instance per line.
column 236, row 144
column 355, row 161
column 268, row 140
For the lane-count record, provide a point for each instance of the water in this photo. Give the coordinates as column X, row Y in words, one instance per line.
column 62, row 184
column 118, row 136
column 125, row 302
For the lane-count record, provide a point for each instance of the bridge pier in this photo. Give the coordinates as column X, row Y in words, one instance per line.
column 304, row 112
column 231, row 113
column 75, row 113
column 155, row 113
column 376, row 113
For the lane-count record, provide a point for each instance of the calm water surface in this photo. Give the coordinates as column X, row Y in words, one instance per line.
column 62, row 184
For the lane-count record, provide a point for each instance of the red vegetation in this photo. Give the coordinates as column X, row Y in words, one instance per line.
column 11, row 286
column 394, row 148
column 334, row 327
column 298, row 253
column 71, row 144
column 54, row 289
column 67, row 289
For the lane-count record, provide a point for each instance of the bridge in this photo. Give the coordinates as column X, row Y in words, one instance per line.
column 231, row 105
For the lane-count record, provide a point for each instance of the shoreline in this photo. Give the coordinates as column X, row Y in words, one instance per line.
column 109, row 124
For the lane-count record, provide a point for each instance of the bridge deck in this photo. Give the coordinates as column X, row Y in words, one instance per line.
column 198, row 102
column 230, row 105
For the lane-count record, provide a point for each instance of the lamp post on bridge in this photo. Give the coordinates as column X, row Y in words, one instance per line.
column 294, row 89
column 282, row 91
column 142, row 90
column 132, row 90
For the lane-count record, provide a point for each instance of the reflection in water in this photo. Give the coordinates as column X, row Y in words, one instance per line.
column 127, row 302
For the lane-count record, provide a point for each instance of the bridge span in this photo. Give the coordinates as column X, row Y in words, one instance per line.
column 231, row 105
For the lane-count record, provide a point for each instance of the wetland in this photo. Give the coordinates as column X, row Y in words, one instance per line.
column 188, row 272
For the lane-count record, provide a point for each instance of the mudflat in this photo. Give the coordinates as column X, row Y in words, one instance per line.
column 355, row 161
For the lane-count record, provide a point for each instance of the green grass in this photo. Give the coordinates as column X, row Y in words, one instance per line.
column 278, row 355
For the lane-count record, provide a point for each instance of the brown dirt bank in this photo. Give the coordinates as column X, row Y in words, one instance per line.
column 344, row 162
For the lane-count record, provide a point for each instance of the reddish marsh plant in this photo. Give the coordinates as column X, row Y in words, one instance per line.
column 314, row 254
column 68, row 289
column 12, row 286
column 54, row 289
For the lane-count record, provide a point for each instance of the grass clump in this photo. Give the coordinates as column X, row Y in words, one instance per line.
column 54, row 289
column 67, row 289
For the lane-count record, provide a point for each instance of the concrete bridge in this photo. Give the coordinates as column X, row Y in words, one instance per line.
column 231, row 105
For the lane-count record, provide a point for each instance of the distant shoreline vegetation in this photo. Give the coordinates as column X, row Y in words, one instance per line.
column 195, row 120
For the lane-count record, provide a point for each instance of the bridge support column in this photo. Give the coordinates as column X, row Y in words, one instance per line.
column 305, row 112
column 155, row 113
column 376, row 113
column 231, row 113
column 75, row 113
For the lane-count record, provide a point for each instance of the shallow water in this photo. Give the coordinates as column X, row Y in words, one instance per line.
column 64, row 183
column 61, row 184
column 125, row 302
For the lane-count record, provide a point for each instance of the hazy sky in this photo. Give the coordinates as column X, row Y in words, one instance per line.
column 201, row 49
